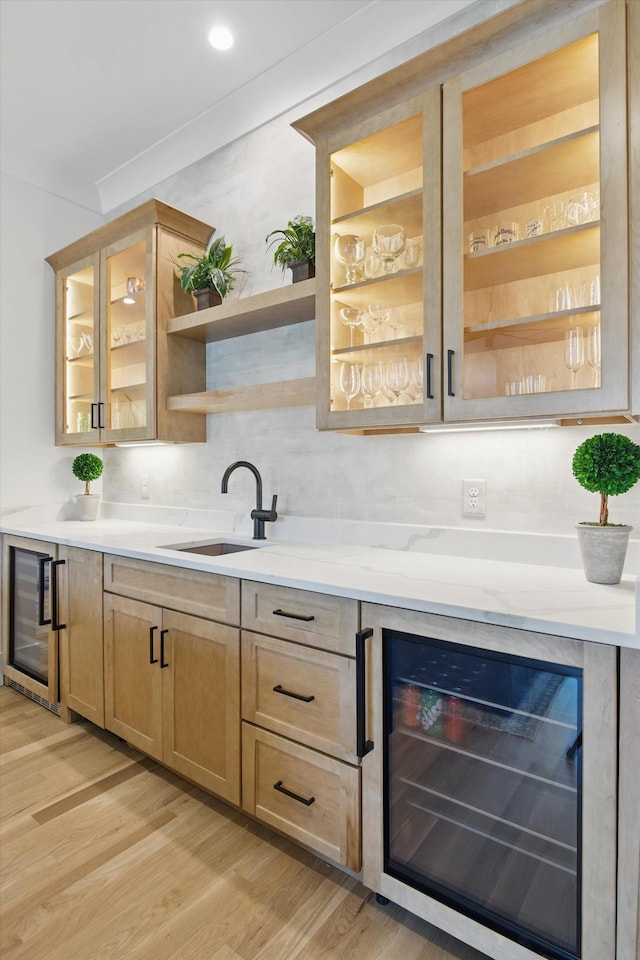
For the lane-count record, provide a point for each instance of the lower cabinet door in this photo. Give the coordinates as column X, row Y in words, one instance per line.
column 81, row 642
column 200, row 666
column 312, row 798
column 133, row 679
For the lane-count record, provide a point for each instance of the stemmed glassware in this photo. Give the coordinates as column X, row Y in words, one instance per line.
column 594, row 355
column 416, row 384
column 389, row 241
column 75, row 346
column 349, row 381
column 372, row 379
column 379, row 313
column 574, row 352
column 349, row 251
column 351, row 317
column 397, row 376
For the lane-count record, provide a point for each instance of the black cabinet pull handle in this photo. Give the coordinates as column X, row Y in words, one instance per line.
column 54, row 596
column 100, row 423
column 450, row 354
column 94, row 425
column 363, row 746
column 294, row 796
column 152, row 659
column 427, row 390
column 293, row 616
column 42, row 562
column 289, row 693
column 163, row 662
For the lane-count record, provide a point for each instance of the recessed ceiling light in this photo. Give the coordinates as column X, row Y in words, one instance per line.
column 220, row 38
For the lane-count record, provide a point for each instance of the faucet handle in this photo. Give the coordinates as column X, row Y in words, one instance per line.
column 266, row 515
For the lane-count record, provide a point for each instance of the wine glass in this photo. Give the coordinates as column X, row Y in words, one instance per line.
column 594, row 354
column 351, row 317
column 349, row 381
column 350, row 250
column 389, row 241
column 75, row 346
column 395, row 320
column 379, row 313
column 574, row 352
column 416, row 384
column 372, row 377
column 411, row 255
column 397, row 376
column 368, row 324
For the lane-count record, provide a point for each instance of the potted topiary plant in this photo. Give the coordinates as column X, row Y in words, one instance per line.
column 608, row 464
column 87, row 467
column 297, row 248
column 210, row 276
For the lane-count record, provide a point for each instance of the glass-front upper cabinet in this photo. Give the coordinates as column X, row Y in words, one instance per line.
column 116, row 368
column 378, row 299
column 535, row 227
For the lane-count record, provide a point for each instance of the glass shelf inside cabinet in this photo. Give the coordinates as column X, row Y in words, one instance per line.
column 531, row 228
column 79, row 350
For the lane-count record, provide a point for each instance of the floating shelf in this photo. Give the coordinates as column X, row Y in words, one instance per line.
column 259, row 396
column 264, row 311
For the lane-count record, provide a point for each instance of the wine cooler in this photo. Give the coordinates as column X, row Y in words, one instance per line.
column 496, row 764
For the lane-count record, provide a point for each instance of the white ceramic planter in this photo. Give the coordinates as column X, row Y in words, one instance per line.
column 87, row 505
column 603, row 551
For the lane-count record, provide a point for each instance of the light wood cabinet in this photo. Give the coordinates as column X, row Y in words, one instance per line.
column 512, row 304
column 116, row 289
column 300, row 766
column 172, row 679
column 82, row 641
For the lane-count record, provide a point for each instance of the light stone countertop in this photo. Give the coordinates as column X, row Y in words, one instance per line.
column 549, row 599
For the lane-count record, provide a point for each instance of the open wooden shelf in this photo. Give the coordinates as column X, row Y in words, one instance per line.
column 264, row 311
column 259, row 396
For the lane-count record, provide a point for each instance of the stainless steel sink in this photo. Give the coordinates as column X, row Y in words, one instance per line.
column 217, row 548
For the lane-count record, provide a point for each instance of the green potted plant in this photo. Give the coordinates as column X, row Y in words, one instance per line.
column 608, row 464
column 297, row 248
column 211, row 275
column 87, row 467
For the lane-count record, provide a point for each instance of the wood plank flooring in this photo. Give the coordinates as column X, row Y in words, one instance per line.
column 105, row 855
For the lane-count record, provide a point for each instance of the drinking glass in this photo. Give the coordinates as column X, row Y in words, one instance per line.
column 368, row 324
column 349, row 381
column 372, row 378
column 411, row 255
column 574, row 352
column 416, row 384
column 75, row 346
column 379, row 313
column 562, row 298
column 350, row 250
column 372, row 264
column 395, row 320
column 87, row 339
column 594, row 355
column 397, row 376
column 590, row 292
column 389, row 241
column 351, row 317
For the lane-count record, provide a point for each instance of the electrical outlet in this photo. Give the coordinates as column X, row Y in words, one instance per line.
column 474, row 498
column 145, row 487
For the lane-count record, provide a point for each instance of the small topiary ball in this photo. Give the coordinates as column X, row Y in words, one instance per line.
column 87, row 467
column 608, row 464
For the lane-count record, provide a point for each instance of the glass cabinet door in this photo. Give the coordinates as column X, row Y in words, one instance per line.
column 127, row 339
column 375, row 362
column 79, row 345
column 537, row 227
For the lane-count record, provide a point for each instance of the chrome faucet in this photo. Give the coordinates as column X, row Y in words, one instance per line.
column 259, row 516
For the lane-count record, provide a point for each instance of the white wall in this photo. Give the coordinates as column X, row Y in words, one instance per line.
column 247, row 189
column 34, row 224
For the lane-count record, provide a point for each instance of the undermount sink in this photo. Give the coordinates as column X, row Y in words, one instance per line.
column 217, row 548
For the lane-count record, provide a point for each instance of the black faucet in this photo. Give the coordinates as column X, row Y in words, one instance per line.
column 259, row 516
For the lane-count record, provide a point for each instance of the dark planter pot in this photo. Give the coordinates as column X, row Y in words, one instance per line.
column 302, row 270
column 206, row 298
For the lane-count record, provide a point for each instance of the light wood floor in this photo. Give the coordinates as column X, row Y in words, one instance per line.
column 107, row 856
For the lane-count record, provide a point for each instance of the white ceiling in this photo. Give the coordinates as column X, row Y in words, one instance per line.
column 101, row 99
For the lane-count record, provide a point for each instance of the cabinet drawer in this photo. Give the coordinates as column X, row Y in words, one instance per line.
column 312, row 798
column 305, row 694
column 188, row 591
column 315, row 619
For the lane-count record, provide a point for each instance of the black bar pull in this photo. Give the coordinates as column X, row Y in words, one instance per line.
column 163, row 662
column 54, row 596
column 42, row 562
column 100, row 422
column 427, row 389
column 294, row 796
column 289, row 693
column 152, row 659
column 293, row 616
column 94, row 410
column 450, row 392
column 363, row 746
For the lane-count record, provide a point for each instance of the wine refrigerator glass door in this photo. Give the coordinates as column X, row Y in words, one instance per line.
column 483, row 786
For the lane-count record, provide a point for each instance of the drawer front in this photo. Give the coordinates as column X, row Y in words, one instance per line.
column 178, row 588
column 315, row 619
column 305, row 694
column 310, row 797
